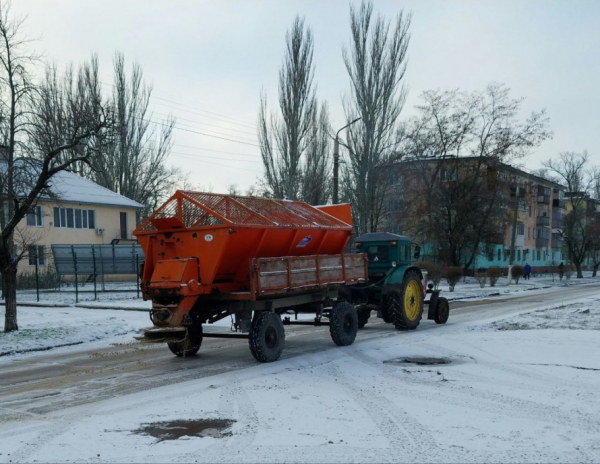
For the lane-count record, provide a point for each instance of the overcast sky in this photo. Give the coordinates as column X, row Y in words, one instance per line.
column 208, row 60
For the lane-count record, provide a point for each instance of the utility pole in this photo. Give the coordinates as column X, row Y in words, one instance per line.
column 336, row 161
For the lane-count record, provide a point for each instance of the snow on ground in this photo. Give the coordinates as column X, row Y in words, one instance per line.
column 469, row 288
column 43, row 328
column 59, row 321
column 510, row 394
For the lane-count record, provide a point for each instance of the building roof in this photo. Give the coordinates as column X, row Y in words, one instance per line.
column 68, row 187
column 490, row 162
column 381, row 237
column 72, row 188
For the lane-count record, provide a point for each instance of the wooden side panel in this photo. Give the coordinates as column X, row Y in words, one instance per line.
column 295, row 273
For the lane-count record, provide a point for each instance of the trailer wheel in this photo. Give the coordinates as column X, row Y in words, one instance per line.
column 187, row 347
column 267, row 337
column 343, row 323
column 442, row 312
column 364, row 313
column 407, row 305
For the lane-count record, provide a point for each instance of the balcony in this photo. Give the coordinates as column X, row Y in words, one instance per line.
column 520, row 241
column 560, row 204
column 543, row 221
column 544, row 199
column 558, row 220
column 541, row 242
column 557, row 241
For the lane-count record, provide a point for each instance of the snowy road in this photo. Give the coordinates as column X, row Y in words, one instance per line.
column 528, row 395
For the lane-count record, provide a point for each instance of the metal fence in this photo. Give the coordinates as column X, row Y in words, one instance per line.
column 97, row 260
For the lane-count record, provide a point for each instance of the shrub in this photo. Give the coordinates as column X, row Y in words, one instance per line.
column 48, row 278
column 494, row 273
column 452, row 274
column 434, row 272
column 481, row 277
column 517, row 272
column 569, row 269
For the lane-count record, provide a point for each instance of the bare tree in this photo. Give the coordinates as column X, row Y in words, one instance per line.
column 457, row 146
column 575, row 171
column 376, row 63
column 316, row 177
column 285, row 139
column 33, row 114
column 133, row 162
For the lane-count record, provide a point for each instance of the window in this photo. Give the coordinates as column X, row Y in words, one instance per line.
column 520, row 228
column 499, row 254
column 35, row 218
column 74, row 218
column 518, row 255
column 448, row 174
column 37, row 252
column 376, row 253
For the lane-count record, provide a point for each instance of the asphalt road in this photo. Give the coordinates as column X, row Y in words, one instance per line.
column 51, row 381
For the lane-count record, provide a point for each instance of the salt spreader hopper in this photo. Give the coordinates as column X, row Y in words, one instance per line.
column 210, row 256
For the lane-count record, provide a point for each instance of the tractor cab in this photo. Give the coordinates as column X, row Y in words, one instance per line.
column 385, row 252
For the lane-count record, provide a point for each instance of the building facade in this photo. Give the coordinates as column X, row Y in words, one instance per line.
column 533, row 206
column 77, row 211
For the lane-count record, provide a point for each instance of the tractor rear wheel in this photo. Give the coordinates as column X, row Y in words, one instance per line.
column 442, row 312
column 189, row 346
column 407, row 304
column 267, row 337
column 364, row 313
column 343, row 323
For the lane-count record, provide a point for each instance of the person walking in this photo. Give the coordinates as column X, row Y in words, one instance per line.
column 561, row 270
column 527, row 271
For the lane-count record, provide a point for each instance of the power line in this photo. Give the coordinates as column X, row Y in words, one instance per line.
column 192, row 156
column 245, row 126
column 206, row 111
column 216, row 151
column 206, row 124
column 213, row 131
column 201, row 133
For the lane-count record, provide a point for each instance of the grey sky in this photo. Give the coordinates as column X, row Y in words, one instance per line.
column 215, row 56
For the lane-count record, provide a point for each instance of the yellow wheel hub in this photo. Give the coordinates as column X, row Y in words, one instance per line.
column 412, row 300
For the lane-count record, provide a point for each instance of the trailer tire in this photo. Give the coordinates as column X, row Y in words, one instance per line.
column 442, row 311
column 188, row 346
column 407, row 304
column 267, row 337
column 343, row 323
column 364, row 313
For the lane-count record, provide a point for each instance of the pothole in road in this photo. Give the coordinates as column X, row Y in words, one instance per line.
column 419, row 361
column 173, row 430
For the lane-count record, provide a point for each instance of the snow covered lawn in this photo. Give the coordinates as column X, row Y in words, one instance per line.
column 47, row 327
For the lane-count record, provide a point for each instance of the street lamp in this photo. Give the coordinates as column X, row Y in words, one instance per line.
column 336, row 161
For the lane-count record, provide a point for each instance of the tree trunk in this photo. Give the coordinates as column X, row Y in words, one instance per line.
column 579, row 273
column 595, row 271
column 10, row 298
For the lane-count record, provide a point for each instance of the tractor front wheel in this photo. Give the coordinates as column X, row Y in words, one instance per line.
column 267, row 337
column 406, row 305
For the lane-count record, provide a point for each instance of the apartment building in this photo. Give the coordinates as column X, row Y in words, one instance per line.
column 535, row 207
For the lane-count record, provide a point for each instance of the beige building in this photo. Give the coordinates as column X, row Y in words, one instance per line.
column 79, row 212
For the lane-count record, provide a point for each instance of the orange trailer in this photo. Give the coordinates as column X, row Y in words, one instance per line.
column 209, row 256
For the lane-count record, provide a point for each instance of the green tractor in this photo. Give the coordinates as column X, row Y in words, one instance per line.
column 396, row 288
